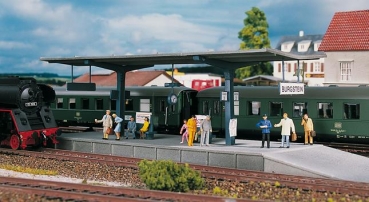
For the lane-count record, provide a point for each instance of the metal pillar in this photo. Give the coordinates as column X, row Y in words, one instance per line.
column 121, row 80
column 229, row 105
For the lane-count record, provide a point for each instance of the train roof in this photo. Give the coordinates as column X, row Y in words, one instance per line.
column 134, row 91
column 309, row 92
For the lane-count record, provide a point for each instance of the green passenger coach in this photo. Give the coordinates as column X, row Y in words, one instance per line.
column 80, row 108
column 339, row 113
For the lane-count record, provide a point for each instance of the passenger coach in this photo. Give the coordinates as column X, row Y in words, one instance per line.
column 80, row 108
column 339, row 113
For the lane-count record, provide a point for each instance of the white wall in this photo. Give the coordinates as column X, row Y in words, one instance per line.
column 289, row 76
column 159, row 81
column 360, row 70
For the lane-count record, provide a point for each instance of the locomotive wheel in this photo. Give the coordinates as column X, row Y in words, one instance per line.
column 15, row 141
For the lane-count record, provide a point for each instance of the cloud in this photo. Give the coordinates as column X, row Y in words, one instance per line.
column 14, row 45
column 155, row 28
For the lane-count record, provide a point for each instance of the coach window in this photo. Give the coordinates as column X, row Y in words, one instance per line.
column 85, row 103
column 299, row 109
column 144, row 105
column 216, row 107
column 276, row 108
column 113, row 104
column 59, row 104
column 72, row 103
column 351, row 111
column 173, row 108
column 254, row 108
column 99, row 103
column 129, row 105
column 325, row 110
column 205, row 107
column 162, row 106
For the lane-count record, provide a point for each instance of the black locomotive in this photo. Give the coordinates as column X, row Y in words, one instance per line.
column 25, row 116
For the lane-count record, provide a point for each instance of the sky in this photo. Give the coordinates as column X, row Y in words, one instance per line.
column 31, row 29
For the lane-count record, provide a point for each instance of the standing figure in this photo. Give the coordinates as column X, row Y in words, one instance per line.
column 287, row 126
column 191, row 128
column 265, row 126
column 144, row 128
column 205, row 129
column 308, row 127
column 184, row 131
column 107, row 124
column 131, row 127
column 117, row 128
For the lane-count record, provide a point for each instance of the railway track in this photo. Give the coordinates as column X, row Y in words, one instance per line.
column 84, row 192
column 217, row 173
column 359, row 149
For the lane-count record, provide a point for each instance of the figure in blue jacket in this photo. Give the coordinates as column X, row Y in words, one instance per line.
column 265, row 126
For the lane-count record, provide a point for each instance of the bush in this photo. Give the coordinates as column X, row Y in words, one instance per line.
column 169, row 176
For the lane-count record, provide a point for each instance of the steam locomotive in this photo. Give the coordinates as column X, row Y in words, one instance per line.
column 26, row 119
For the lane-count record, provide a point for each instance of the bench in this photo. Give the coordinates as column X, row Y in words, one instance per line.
column 149, row 135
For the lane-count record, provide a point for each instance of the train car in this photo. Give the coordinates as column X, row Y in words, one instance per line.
column 80, row 108
column 340, row 114
column 26, row 119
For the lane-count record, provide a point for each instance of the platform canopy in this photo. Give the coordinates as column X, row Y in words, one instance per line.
column 141, row 61
column 228, row 61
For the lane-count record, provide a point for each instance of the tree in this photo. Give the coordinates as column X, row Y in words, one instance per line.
column 254, row 35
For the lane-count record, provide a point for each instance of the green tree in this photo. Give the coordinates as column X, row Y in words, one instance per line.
column 254, row 35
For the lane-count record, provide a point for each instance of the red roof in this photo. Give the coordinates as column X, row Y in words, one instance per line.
column 348, row 31
column 133, row 78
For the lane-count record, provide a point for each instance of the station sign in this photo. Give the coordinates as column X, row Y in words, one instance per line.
column 291, row 88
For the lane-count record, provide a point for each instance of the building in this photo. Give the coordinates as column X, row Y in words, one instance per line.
column 311, row 71
column 197, row 81
column 133, row 78
column 346, row 44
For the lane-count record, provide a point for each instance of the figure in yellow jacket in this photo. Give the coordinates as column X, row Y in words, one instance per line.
column 144, row 128
column 192, row 129
column 308, row 127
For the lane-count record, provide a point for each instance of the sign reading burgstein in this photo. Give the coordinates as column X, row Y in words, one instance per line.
column 291, row 88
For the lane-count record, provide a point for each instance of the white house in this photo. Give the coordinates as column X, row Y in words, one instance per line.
column 311, row 71
column 346, row 44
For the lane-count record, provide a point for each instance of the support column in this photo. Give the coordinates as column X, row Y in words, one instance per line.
column 229, row 105
column 121, row 80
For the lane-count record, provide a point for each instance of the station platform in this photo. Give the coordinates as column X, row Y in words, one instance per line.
column 304, row 160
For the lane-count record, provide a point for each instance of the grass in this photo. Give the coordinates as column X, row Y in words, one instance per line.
column 28, row 170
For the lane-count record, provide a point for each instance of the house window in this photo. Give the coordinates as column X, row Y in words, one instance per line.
column 254, row 107
column 59, row 104
column 299, row 109
column 72, row 103
column 144, row 105
column 346, row 69
column 325, row 110
column 276, row 108
column 317, row 67
column 351, row 111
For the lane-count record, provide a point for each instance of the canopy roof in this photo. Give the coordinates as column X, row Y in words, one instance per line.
column 141, row 61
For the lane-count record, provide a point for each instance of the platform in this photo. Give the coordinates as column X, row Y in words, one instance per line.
column 304, row 160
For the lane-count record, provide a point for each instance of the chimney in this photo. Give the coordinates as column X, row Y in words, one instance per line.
column 301, row 33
